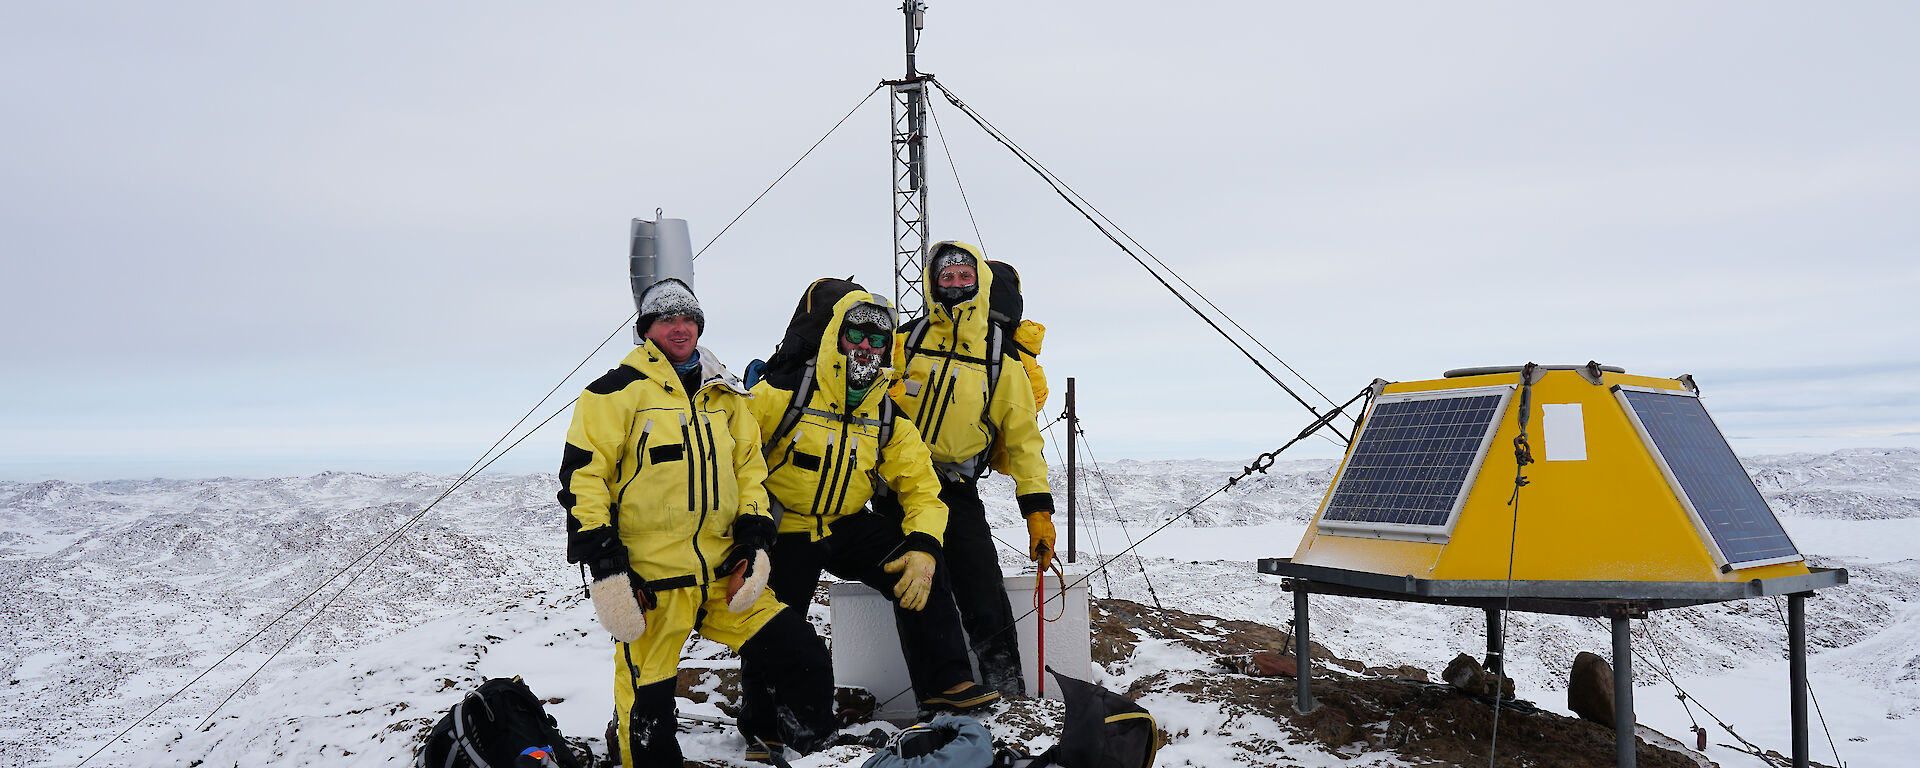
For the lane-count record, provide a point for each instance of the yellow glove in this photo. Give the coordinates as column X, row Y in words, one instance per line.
column 916, row 579
column 1040, row 537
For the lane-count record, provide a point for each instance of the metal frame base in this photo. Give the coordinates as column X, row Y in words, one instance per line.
column 1619, row 601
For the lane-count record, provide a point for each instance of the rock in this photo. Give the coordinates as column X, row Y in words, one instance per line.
column 1590, row 689
column 1466, row 674
column 690, row 683
column 1405, row 672
column 1272, row 664
column 855, row 705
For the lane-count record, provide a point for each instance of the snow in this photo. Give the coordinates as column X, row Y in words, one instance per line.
column 121, row 592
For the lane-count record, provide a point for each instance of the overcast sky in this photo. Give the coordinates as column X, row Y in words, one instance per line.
column 272, row 238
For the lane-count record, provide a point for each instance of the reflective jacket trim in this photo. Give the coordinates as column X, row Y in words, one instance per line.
column 615, row 440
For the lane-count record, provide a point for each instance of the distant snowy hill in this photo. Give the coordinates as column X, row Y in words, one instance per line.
column 118, row 593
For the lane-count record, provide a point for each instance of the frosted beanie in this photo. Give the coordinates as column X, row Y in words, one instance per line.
column 669, row 298
column 952, row 255
column 864, row 315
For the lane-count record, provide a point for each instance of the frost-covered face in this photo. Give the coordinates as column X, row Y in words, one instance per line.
column 676, row 335
column 958, row 276
column 957, row 283
column 863, row 360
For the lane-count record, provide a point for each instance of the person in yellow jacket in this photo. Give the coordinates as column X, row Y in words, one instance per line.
column 834, row 440
column 662, row 479
column 946, row 390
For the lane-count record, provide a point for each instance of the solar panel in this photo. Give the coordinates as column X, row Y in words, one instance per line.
column 1414, row 459
column 1708, row 478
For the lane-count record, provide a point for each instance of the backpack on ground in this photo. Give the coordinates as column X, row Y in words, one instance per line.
column 1102, row 729
column 501, row 724
column 947, row 741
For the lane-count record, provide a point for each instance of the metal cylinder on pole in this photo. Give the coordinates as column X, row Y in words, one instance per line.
column 1073, row 471
column 657, row 250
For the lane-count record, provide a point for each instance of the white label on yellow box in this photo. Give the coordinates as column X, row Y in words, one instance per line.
column 1564, row 431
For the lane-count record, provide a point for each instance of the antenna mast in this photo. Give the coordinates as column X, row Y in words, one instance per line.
column 910, row 173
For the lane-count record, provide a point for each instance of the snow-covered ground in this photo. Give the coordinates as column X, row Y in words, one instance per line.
column 118, row 593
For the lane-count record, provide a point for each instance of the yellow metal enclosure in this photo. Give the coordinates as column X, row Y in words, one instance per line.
column 1600, row 503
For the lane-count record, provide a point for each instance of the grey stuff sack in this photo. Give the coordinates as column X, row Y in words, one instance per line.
column 948, row 741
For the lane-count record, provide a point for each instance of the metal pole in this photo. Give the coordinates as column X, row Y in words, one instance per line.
column 1073, row 470
column 910, row 227
column 916, row 20
column 1797, row 674
column 1495, row 647
column 1623, row 742
column 1302, row 658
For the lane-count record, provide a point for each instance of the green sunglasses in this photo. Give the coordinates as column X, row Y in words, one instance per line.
column 877, row 339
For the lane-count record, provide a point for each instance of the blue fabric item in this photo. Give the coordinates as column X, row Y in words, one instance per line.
column 971, row 747
column 692, row 364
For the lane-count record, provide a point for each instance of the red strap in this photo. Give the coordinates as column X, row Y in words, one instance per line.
column 1040, row 627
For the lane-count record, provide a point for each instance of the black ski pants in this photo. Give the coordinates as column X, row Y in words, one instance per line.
column 787, row 683
column 857, row 548
column 979, row 589
column 788, row 701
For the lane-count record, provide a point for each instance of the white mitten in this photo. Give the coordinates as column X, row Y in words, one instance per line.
column 618, row 607
column 749, row 584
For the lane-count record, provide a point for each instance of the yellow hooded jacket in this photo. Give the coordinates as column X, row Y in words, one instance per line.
column 675, row 467
column 829, row 464
column 944, row 388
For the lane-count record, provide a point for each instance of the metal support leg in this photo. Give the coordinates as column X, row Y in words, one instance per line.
column 1495, row 648
column 1302, row 657
column 1797, row 673
column 1623, row 742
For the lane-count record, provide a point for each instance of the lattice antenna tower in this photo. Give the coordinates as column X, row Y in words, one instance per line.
column 910, row 172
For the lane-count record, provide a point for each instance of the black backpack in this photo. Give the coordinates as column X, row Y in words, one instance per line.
column 802, row 339
column 1005, row 306
column 1101, row 729
column 499, row 725
column 790, row 367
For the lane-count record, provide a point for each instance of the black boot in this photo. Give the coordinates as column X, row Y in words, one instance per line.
column 653, row 740
column 786, row 679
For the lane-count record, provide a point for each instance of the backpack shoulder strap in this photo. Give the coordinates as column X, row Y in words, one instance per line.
column 886, row 426
column 995, row 356
column 463, row 739
column 916, row 331
column 801, row 394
